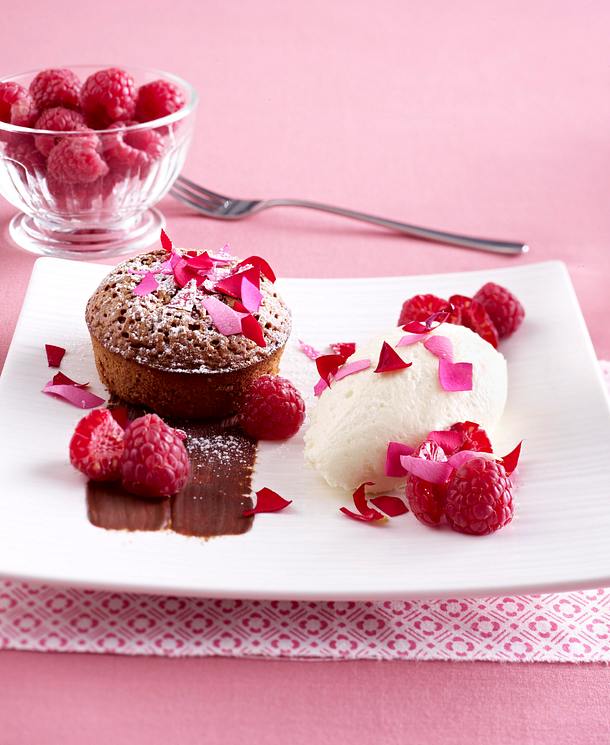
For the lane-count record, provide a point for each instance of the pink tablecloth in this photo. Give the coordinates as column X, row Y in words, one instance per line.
column 472, row 116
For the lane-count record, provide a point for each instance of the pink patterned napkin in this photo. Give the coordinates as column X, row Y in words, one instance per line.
column 566, row 627
column 569, row 627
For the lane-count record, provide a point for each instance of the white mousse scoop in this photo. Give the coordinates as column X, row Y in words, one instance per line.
column 356, row 417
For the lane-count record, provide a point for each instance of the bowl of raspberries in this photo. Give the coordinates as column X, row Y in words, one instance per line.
column 87, row 151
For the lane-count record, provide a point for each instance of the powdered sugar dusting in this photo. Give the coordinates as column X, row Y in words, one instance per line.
column 219, row 451
column 186, row 297
column 169, row 329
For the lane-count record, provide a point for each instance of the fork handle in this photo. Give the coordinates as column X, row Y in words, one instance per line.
column 453, row 239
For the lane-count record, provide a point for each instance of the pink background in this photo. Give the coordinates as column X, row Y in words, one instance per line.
column 463, row 116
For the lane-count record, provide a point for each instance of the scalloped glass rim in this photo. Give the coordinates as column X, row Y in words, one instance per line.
column 191, row 103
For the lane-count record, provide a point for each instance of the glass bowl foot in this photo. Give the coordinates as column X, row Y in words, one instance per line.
column 90, row 242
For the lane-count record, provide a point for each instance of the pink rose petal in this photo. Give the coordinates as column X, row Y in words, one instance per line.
column 511, row 460
column 167, row 267
column 434, row 472
column 463, row 456
column 389, row 360
column 344, row 349
column 308, row 350
column 391, row 506
column 416, row 327
column 251, row 296
column 201, row 262
column 251, row 329
column 74, row 395
column 365, row 512
column 147, row 285
column 219, row 271
column 440, row 346
column 359, row 497
column 369, row 517
column 232, row 285
column 166, row 242
column 393, row 466
column 267, row 501
column 61, row 379
column 221, row 259
column 350, row 368
column 431, row 323
column 54, row 355
column 331, row 368
column 328, row 364
column 320, row 386
column 183, row 274
column 258, row 263
column 455, row 376
column 409, row 339
column 447, row 439
column 225, row 319
column 438, row 318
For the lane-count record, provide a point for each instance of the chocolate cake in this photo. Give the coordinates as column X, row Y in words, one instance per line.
column 162, row 349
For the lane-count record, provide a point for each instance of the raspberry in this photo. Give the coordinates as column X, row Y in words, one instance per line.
column 272, row 408
column 148, row 141
column 75, row 198
column 465, row 312
column 23, row 151
column 421, row 307
column 474, row 437
column 155, row 462
column 97, row 445
column 108, row 183
column 479, row 499
column 426, row 500
column 504, row 309
column 60, row 191
column 475, row 317
column 56, row 87
column 75, row 160
column 72, row 198
column 16, row 105
column 24, row 112
column 107, row 96
column 58, row 119
column 158, row 99
column 132, row 153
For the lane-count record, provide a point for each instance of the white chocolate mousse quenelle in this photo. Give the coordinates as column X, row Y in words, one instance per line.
column 356, row 417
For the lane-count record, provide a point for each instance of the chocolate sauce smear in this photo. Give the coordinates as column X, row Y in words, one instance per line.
column 213, row 501
column 109, row 506
column 216, row 496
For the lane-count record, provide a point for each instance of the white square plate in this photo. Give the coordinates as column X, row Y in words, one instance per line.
column 560, row 538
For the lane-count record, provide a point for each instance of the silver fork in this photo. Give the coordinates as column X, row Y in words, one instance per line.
column 215, row 205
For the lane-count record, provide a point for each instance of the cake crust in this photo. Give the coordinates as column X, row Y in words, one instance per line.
column 178, row 394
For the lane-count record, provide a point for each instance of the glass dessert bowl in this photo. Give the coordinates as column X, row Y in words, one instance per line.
column 86, row 183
